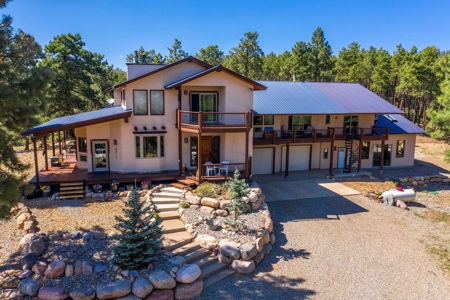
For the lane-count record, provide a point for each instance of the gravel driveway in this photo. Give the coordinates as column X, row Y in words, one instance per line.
column 342, row 248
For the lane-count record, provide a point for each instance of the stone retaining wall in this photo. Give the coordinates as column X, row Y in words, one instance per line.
column 424, row 181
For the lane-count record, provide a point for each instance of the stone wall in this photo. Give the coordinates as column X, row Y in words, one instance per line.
column 424, row 181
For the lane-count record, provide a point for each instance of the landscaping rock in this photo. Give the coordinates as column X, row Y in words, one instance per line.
column 128, row 297
column 88, row 236
column 125, row 273
column 24, row 274
column 188, row 273
column 272, row 239
column 256, row 205
column 29, row 260
column 222, row 212
column 262, row 198
column 22, row 218
column 29, row 287
column 77, row 235
column 78, row 267
column 141, row 287
column 100, row 268
column 43, row 237
column 84, row 293
column 223, row 259
column 264, row 234
column 211, row 202
column 52, row 293
column 39, row 268
column 69, row 272
column 12, row 294
column 66, row 236
column 25, row 240
column 207, row 209
column 189, row 290
column 114, row 290
column 10, row 282
column 268, row 225
column 248, row 251
column 100, row 235
column 192, row 199
column 55, row 269
column 252, row 197
column 162, row 280
column 228, row 248
column 54, row 237
column 258, row 258
column 243, row 266
column 134, row 273
column 206, row 241
column 223, row 203
column 161, row 295
column 87, row 268
column 177, row 261
column 35, row 245
column 267, row 249
column 259, row 244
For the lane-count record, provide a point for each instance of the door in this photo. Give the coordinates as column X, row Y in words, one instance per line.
column 377, row 155
column 263, row 161
column 100, row 156
column 299, row 157
column 341, row 157
column 211, row 149
column 207, row 103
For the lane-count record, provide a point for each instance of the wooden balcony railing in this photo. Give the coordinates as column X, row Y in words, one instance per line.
column 210, row 121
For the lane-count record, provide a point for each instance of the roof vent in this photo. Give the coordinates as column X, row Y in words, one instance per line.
column 144, row 62
column 136, row 58
column 390, row 118
column 294, row 77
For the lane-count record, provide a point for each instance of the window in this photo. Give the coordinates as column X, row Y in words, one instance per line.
column 263, row 122
column 149, row 146
column 122, row 97
column 140, row 103
column 207, row 103
column 82, row 144
column 400, row 149
column 325, row 153
column 157, row 102
column 83, row 157
column 268, row 120
column 365, row 150
column 193, row 151
column 299, row 122
column 350, row 124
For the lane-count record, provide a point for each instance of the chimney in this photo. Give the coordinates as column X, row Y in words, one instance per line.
column 143, row 59
column 136, row 58
column 294, row 77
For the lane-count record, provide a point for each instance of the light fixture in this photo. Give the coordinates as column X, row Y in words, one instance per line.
column 186, row 140
column 115, row 143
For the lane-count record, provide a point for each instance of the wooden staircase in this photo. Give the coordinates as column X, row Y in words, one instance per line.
column 74, row 190
column 178, row 242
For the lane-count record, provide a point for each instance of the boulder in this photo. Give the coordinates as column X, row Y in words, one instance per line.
column 262, row 198
column 223, row 203
column 267, row 249
column 134, row 273
column 29, row 260
column 259, row 244
column 162, row 280
column 15, row 210
column 248, row 251
column 246, row 200
column 87, row 268
column 24, row 274
column 39, row 268
column 207, row 209
column 189, row 290
column 128, row 297
column 268, row 225
column 211, row 202
column 88, row 236
column 272, row 239
column 222, row 212
column 229, row 249
column 206, row 241
column 188, row 273
column 52, row 293
column 78, row 267
column 22, row 218
column 100, row 235
column 29, row 226
column 192, row 199
column 84, row 293
column 161, row 295
column 69, row 272
column 43, row 237
column 223, row 259
column 55, row 269
column 25, row 240
column 77, row 235
column 66, row 236
column 177, row 261
column 253, row 197
column 256, row 205
column 35, row 245
column 264, row 234
column 54, row 237
column 264, row 206
column 12, row 294
column 243, row 266
column 113, row 290
column 100, row 268
column 29, row 287
column 141, row 287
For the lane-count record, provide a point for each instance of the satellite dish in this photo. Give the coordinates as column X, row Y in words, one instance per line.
column 110, row 101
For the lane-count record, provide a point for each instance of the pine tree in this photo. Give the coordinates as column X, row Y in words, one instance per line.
column 139, row 236
column 237, row 189
column 211, row 55
column 176, row 53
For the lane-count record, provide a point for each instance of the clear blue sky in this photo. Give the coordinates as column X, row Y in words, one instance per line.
column 116, row 28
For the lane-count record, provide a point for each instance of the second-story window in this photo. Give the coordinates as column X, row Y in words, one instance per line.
column 157, row 102
column 299, row 122
column 140, row 102
column 263, row 122
column 327, row 119
column 122, row 97
column 350, row 124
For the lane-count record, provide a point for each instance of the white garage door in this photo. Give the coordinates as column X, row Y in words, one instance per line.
column 298, row 158
column 262, row 161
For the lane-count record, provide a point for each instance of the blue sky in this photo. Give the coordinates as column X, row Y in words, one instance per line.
column 116, row 28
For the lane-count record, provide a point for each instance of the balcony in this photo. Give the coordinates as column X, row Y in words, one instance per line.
column 196, row 122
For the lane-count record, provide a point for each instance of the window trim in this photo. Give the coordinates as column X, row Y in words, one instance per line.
column 123, row 100
column 327, row 119
column 141, row 146
column 263, row 124
column 134, row 107
column 325, row 153
column 164, row 102
column 79, row 144
column 368, row 150
column 403, row 150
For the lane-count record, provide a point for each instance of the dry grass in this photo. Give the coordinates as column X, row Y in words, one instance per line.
column 367, row 187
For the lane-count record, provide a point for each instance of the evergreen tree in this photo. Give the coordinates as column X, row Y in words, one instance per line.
column 237, row 189
column 151, row 57
column 176, row 53
column 319, row 58
column 140, row 235
column 211, row 55
column 299, row 61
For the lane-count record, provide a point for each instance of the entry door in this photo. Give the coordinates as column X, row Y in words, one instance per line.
column 207, row 103
column 211, row 149
column 377, row 155
column 341, row 158
column 100, row 156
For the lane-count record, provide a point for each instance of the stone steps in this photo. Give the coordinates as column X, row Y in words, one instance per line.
column 174, row 240
column 205, row 261
column 171, row 226
column 166, row 207
column 166, row 195
column 168, row 215
column 157, row 201
column 195, row 255
column 217, row 277
column 188, row 248
column 172, row 190
column 212, row 269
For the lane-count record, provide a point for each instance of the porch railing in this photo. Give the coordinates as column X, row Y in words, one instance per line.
column 213, row 119
column 217, row 170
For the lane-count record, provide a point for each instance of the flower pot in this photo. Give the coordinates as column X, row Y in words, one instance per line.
column 212, row 224
column 144, row 186
column 114, row 188
column 46, row 193
column 130, row 187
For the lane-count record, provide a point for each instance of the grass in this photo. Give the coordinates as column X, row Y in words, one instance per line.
column 206, row 190
column 440, row 248
column 435, row 216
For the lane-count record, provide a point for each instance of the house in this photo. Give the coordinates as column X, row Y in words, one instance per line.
column 169, row 118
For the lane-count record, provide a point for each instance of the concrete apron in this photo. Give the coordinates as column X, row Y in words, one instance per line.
column 300, row 185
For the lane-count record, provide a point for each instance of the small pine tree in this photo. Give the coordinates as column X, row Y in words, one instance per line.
column 139, row 238
column 237, row 189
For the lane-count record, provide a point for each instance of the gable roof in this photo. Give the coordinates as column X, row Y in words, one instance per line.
column 401, row 125
column 256, row 85
column 80, row 120
column 297, row 98
column 188, row 59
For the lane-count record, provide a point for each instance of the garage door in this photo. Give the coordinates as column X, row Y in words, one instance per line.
column 262, row 161
column 298, row 158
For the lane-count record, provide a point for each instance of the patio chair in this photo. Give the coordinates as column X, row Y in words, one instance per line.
column 224, row 167
column 210, row 169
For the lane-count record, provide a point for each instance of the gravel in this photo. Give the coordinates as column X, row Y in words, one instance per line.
column 342, row 248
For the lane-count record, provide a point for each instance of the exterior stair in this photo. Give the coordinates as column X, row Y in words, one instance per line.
column 72, row 190
column 351, row 156
column 167, row 200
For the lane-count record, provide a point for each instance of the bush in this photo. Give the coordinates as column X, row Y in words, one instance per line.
column 206, row 190
column 396, row 181
column 237, row 189
column 184, row 204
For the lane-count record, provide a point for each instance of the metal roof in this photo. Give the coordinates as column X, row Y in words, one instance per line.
column 401, row 125
column 286, row 97
column 79, row 120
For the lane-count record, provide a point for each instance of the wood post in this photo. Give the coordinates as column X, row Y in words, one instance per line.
column 246, row 154
column 333, row 137
column 286, row 169
column 64, row 132
column 361, row 141
column 59, row 139
column 53, row 143
column 382, row 156
column 36, row 166
column 180, row 151
column 44, row 139
column 199, row 155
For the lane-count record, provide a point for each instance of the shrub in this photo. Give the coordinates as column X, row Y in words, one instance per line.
column 184, row 204
column 206, row 190
column 396, row 181
column 237, row 189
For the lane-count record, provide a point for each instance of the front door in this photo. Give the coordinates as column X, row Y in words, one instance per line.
column 341, row 158
column 377, row 155
column 210, row 149
column 100, row 156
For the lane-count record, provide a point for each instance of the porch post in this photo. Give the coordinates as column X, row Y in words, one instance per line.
column 361, row 140
column 59, row 139
column 64, row 132
column 36, row 167
column 333, row 136
column 180, row 151
column 382, row 157
column 44, row 139
column 246, row 152
column 286, row 171
column 53, row 143
column 199, row 155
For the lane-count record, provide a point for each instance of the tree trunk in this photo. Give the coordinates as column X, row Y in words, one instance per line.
column 27, row 144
